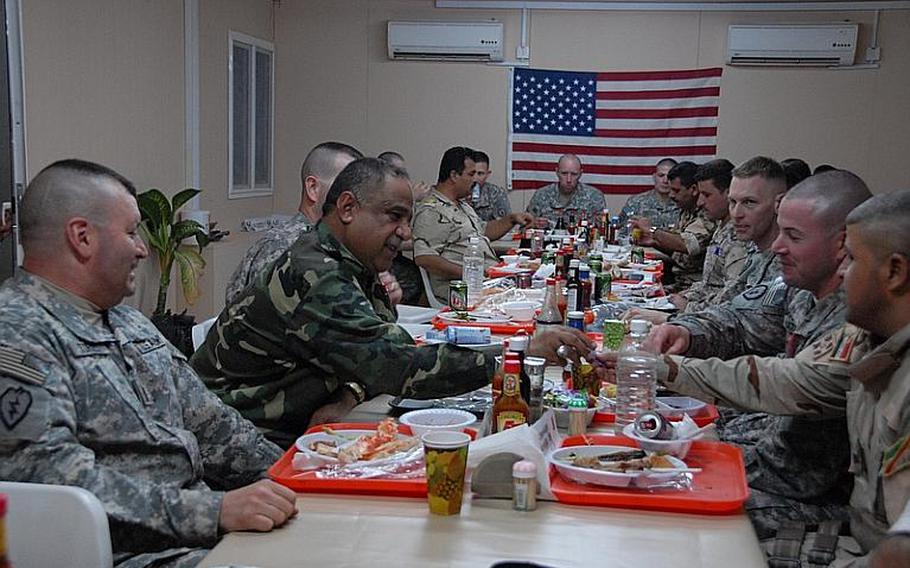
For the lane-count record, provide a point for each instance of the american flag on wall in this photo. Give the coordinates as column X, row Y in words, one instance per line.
column 619, row 124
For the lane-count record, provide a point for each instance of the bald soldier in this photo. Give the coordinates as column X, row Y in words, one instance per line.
column 318, row 331
column 873, row 393
column 92, row 395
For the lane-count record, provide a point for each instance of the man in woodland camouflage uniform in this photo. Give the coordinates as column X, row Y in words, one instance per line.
column 92, row 395
column 796, row 466
column 551, row 201
column 317, row 173
column 318, row 331
column 654, row 204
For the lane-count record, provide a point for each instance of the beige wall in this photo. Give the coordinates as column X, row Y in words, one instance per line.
column 104, row 81
column 335, row 51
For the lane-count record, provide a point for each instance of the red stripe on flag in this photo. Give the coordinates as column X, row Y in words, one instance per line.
column 614, row 169
column 583, row 150
column 662, row 94
column 659, row 75
column 657, row 132
column 694, row 112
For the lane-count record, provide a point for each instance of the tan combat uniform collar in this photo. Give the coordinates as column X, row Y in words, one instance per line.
column 874, row 371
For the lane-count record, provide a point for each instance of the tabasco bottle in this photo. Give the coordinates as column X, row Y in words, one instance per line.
column 511, row 410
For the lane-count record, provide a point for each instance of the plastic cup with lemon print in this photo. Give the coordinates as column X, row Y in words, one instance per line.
column 446, row 454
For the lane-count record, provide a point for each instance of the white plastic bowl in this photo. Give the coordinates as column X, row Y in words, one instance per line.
column 510, row 259
column 522, row 310
column 437, row 420
column 678, row 448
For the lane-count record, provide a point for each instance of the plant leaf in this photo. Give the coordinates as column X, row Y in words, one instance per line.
column 191, row 265
column 154, row 208
column 186, row 228
column 182, row 197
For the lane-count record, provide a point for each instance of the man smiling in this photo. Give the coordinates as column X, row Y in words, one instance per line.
column 316, row 335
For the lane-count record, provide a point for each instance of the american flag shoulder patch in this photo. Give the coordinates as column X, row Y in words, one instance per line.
column 896, row 457
column 19, row 364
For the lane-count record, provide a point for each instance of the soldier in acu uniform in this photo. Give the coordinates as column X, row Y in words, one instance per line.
column 92, row 395
column 654, row 204
column 797, row 466
column 551, row 201
column 491, row 201
column 319, row 331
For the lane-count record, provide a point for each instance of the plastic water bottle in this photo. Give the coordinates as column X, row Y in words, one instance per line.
column 636, row 376
column 472, row 271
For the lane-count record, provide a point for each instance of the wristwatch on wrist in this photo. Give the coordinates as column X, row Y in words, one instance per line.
column 653, row 230
column 357, row 390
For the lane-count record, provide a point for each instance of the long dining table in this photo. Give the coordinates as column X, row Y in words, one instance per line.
column 354, row 530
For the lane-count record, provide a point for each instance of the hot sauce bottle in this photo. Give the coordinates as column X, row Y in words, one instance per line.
column 511, row 410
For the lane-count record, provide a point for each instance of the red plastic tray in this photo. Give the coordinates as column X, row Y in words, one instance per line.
column 283, row 472
column 707, row 415
column 719, row 489
column 503, row 328
column 497, row 272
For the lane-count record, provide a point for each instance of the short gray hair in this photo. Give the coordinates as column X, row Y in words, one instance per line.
column 364, row 178
column 63, row 190
column 885, row 219
column 833, row 194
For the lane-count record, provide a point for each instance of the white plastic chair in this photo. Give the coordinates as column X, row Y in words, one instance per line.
column 200, row 330
column 428, row 290
column 51, row 526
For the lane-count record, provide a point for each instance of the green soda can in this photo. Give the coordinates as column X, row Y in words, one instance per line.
column 638, row 255
column 458, row 296
column 603, row 285
column 595, row 264
column 614, row 331
column 548, row 257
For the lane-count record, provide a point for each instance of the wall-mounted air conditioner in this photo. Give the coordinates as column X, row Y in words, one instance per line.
column 445, row 41
column 792, row 44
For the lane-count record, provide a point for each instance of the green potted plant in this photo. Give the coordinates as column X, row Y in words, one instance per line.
column 164, row 235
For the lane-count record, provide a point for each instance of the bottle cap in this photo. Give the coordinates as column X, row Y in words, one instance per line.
column 576, row 314
column 551, row 282
column 2, row 505
column 524, row 469
column 512, row 366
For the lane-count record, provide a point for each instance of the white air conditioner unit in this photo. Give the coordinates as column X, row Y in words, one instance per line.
column 792, row 44
column 445, row 41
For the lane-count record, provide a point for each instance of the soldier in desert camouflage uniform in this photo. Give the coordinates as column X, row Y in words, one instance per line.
column 796, row 466
column 444, row 222
column 726, row 255
column 92, row 395
column 319, row 331
column 551, row 201
column 686, row 246
column 654, row 204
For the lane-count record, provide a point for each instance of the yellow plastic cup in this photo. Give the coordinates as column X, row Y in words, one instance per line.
column 446, row 454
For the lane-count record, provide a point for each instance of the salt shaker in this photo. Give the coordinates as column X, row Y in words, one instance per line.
column 524, row 485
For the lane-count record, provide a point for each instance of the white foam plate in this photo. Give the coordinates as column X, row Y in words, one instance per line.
column 475, row 317
column 608, row 478
column 415, row 314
